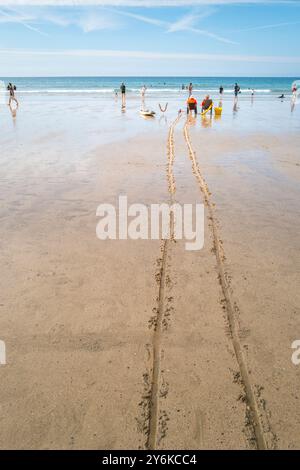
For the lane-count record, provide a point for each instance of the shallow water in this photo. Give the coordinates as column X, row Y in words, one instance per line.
column 85, row 121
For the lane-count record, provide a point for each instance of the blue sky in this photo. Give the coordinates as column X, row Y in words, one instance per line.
column 150, row 37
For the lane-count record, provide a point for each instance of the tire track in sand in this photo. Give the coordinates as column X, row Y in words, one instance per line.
column 161, row 307
column 253, row 413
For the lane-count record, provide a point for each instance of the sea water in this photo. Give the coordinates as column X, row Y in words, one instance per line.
column 162, row 86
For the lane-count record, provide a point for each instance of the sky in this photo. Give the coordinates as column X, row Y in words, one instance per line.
column 149, row 38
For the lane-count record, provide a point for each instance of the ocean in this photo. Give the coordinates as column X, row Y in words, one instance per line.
column 155, row 85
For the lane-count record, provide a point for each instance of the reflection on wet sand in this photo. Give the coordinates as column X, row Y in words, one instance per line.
column 235, row 105
column 13, row 111
column 206, row 121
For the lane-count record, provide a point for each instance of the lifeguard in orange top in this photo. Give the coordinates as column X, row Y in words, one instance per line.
column 192, row 105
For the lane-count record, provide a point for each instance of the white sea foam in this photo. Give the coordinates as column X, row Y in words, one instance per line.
column 136, row 91
column 68, row 90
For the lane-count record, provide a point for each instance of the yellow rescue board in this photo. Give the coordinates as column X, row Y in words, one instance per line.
column 206, row 111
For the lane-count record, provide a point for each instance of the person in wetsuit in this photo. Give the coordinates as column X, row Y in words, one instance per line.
column 236, row 90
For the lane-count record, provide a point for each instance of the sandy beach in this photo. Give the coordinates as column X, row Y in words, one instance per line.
column 124, row 344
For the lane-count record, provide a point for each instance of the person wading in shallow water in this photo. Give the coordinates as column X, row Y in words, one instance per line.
column 123, row 92
column 236, row 90
column 12, row 88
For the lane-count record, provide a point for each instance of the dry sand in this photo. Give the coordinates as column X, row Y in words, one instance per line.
column 142, row 344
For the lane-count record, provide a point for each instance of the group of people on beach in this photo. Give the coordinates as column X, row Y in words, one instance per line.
column 236, row 89
column 192, row 104
column 191, row 99
column 189, row 88
column 207, row 103
column 123, row 93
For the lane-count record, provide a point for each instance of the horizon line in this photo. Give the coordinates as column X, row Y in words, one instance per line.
column 149, row 76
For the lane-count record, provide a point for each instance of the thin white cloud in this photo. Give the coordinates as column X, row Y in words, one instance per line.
column 187, row 23
column 138, row 17
column 15, row 17
column 90, row 22
column 267, row 26
column 211, row 35
column 183, row 24
column 150, row 55
column 87, row 20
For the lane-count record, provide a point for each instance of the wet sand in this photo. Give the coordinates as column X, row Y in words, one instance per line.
column 142, row 344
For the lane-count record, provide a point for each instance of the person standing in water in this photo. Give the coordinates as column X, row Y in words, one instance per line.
column 123, row 92
column 12, row 88
column 294, row 91
column 190, row 89
column 294, row 96
column 221, row 90
column 143, row 92
column 236, row 90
